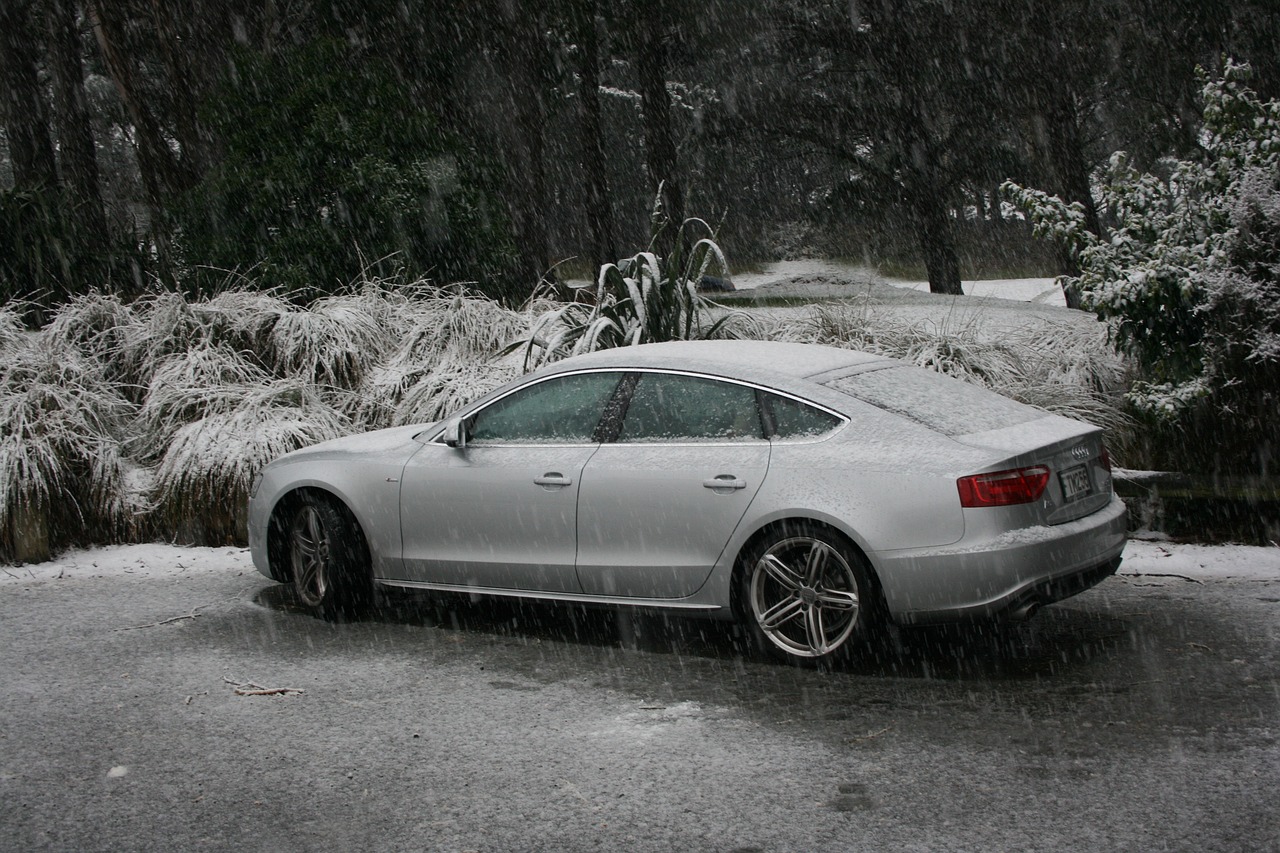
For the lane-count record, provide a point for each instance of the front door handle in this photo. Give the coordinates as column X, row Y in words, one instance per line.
column 724, row 483
column 552, row 480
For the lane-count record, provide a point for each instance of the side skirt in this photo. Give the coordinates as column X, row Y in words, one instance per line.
column 570, row 597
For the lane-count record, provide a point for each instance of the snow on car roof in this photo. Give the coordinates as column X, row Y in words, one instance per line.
column 730, row 357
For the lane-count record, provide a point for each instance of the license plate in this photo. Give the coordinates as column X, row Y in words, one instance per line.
column 1075, row 483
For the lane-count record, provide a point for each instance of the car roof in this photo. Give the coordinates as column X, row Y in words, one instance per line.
column 737, row 359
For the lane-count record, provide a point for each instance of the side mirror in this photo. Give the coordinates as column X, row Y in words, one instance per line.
column 455, row 433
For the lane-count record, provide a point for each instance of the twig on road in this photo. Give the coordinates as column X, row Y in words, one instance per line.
column 192, row 615
column 248, row 688
column 869, row 736
column 1160, row 575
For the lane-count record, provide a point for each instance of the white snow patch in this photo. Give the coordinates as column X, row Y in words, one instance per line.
column 157, row 559
column 1044, row 291
column 1144, row 556
column 1201, row 562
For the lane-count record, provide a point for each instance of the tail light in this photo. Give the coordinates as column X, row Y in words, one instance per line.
column 1105, row 459
column 1003, row 488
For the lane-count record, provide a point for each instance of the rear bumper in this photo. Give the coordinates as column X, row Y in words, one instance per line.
column 1008, row 576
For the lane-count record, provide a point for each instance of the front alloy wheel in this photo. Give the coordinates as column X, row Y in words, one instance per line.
column 328, row 559
column 804, row 596
column 310, row 552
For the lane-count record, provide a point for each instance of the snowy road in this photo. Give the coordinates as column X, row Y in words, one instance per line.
column 1143, row 715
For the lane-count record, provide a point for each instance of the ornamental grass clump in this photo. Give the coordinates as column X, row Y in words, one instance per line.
column 62, row 476
column 202, row 480
column 206, row 380
column 12, row 329
column 334, row 343
column 451, row 354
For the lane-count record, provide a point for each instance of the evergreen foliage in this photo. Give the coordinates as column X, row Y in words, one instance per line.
column 328, row 169
column 1188, row 275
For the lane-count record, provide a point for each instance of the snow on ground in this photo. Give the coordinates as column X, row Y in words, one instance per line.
column 1149, row 557
column 1042, row 291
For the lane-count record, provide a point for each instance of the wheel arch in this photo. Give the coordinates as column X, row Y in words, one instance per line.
column 278, row 536
column 771, row 527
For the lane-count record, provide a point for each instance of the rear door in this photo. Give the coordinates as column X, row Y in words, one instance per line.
column 658, row 504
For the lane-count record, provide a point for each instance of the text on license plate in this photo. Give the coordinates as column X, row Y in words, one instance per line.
column 1075, row 483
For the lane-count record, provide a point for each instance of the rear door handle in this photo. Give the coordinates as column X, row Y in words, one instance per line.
column 552, row 480
column 724, row 483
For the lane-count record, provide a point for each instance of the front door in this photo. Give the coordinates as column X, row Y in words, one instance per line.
column 501, row 512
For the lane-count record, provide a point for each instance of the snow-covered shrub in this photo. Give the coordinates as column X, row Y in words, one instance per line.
column 1068, row 369
column 205, row 380
column 12, row 329
column 1189, row 274
column 639, row 300
column 60, row 463
column 449, row 356
column 202, row 481
column 335, row 342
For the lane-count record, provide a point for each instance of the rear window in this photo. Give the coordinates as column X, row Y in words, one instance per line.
column 946, row 405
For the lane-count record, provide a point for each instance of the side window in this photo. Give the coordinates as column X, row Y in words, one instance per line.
column 564, row 409
column 793, row 419
column 669, row 407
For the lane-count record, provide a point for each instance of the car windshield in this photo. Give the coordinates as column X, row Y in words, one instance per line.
column 944, row 404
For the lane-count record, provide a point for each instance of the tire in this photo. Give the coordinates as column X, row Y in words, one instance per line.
column 328, row 559
column 806, row 595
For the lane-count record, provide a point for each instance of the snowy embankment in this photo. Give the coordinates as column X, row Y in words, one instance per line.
column 1041, row 291
column 1142, row 557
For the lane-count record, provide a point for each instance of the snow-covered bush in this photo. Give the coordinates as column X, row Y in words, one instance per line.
column 1068, row 369
column 61, row 470
column 12, row 330
column 203, row 477
column 447, row 356
column 1188, row 276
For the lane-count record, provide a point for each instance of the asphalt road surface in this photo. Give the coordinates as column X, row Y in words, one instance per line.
column 1140, row 716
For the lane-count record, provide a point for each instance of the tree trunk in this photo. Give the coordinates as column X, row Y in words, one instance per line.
column 524, row 53
column 659, row 137
column 76, row 149
column 1060, row 140
column 937, row 243
column 599, row 208
column 26, row 117
column 182, row 91
column 162, row 173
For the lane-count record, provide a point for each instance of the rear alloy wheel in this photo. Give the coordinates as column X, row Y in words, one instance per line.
column 805, row 593
column 325, row 551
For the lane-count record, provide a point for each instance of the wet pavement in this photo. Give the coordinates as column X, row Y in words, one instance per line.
column 1142, row 715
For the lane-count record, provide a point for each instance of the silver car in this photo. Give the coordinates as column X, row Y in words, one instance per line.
column 815, row 494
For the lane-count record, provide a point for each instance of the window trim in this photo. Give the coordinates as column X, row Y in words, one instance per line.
column 615, row 409
column 763, row 410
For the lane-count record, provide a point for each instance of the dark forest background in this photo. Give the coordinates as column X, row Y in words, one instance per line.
column 300, row 145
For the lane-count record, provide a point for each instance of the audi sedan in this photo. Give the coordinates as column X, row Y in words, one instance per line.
column 817, row 495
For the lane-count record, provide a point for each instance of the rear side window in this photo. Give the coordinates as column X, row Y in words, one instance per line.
column 796, row 420
column 673, row 407
column 946, row 405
